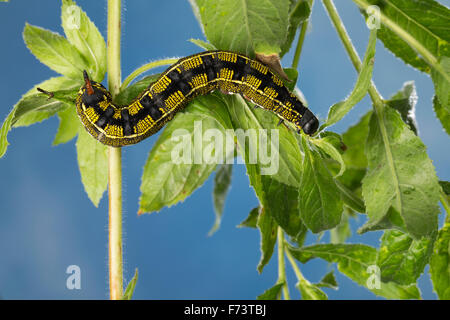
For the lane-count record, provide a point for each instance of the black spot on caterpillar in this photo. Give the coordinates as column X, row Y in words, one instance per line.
column 189, row 77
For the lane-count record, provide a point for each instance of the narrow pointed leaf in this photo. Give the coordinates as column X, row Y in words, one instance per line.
column 251, row 220
column 328, row 281
column 55, row 51
column 272, row 293
column 222, row 183
column 93, row 165
column 84, row 35
column 128, row 294
column 268, row 230
column 340, row 109
column 310, row 291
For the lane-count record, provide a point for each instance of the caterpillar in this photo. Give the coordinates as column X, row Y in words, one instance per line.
column 191, row 76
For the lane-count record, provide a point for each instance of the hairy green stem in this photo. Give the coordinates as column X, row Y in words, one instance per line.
column 298, row 48
column 374, row 95
column 294, row 265
column 114, row 159
column 144, row 68
column 281, row 264
column 351, row 51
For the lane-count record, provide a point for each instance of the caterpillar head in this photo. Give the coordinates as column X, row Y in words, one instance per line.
column 93, row 92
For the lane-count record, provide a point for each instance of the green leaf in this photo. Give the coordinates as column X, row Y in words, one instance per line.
column 203, row 44
column 292, row 75
column 400, row 188
column 355, row 139
column 445, row 187
column 440, row 263
column 340, row 109
column 442, row 114
column 177, row 165
column 93, row 164
column 55, row 52
column 128, row 294
column 319, row 200
column 310, row 291
column 404, row 102
column 268, row 229
column 354, row 260
column 299, row 12
column 401, row 258
column 342, row 231
column 442, row 82
column 244, row 26
column 222, row 183
column 132, row 91
column 84, row 35
column 328, row 281
column 332, row 152
column 24, row 107
column 251, row 220
column 68, row 126
column 52, row 84
column 416, row 32
column 349, row 198
column 272, row 157
column 6, row 126
column 272, row 293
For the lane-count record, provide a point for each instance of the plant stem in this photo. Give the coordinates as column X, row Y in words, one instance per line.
column 294, row 265
column 281, row 265
column 444, row 202
column 144, row 68
column 378, row 104
column 351, row 51
column 114, row 159
column 301, row 39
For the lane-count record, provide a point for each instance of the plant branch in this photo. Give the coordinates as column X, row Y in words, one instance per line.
column 144, row 68
column 374, row 95
column 281, row 264
column 114, row 159
column 299, row 47
column 294, row 265
column 409, row 39
column 351, row 51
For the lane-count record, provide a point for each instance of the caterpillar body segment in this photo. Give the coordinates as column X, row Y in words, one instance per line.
column 195, row 75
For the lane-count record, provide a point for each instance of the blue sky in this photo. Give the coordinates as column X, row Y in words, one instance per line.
column 47, row 222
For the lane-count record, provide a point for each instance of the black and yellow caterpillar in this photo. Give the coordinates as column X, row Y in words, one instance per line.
column 189, row 77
